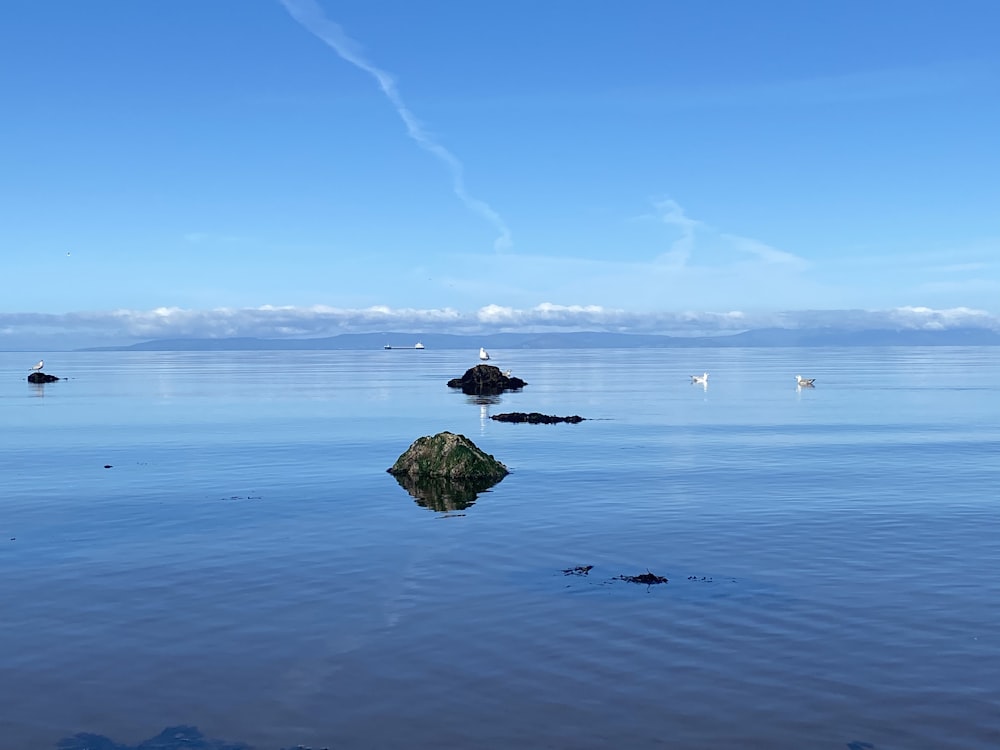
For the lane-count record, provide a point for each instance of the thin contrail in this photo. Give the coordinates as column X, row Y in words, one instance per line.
column 310, row 15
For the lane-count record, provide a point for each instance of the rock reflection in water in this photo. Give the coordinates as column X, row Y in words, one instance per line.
column 171, row 738
column 442, row 493
column 484, row 400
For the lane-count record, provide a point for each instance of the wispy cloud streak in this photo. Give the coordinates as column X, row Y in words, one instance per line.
column 671, row 214
column 682, row 251
column 310, row 15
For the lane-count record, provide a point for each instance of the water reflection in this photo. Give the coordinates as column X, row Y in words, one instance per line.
column 444, row 494
column 37, row 389
column 484, row 400
column 171, row 738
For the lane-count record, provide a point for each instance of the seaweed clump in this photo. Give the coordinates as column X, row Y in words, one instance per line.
column 535, row 418
column 650, row 579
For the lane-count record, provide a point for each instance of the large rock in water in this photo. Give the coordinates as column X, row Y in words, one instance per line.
column 447, row 455
column 41, row 377
column 446, row 472
column 485, row 380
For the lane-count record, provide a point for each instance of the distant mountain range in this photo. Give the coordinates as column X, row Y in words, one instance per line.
column 763, row 337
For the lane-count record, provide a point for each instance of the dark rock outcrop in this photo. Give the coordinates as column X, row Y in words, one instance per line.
column 534, row 418
column 484, row 380
column 41, row 377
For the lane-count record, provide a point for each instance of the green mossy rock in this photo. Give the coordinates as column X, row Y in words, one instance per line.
column 447, row 455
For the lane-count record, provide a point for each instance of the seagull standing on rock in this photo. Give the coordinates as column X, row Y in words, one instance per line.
column 39, row 366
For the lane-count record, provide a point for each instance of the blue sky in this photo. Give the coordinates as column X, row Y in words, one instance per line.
column 306, row 167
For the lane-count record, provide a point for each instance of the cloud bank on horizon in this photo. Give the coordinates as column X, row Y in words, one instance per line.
column 128, row 326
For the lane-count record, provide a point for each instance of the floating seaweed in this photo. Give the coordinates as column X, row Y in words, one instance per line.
column 535, row 418
column 647, row 578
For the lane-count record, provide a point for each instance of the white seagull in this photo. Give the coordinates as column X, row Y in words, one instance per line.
column 804, row 382
column 483, row 354
column 39, row 366
column 700, row 379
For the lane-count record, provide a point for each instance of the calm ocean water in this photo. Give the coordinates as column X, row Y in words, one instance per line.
column 247, row 567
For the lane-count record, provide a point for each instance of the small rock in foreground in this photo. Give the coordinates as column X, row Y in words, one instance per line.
column 447, row 455
column 446, row 472
column 41, row 377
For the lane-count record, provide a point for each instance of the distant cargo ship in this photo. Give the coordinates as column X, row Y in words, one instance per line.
column 418, row 345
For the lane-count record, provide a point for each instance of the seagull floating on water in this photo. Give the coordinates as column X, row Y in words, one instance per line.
column 483, row 354
column 700, row 379
column 39, row 366
column 804, row 382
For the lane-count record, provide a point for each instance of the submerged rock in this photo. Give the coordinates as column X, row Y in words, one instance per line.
column 41, row 377
column 447, row 455
column 534, row 418
column 485, row 380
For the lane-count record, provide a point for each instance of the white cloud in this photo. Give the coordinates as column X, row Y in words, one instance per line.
column 546, row 314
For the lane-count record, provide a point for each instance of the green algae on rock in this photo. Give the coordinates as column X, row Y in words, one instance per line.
column 447, row 455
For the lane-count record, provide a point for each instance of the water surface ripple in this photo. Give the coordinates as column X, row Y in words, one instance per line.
column 247, row 567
